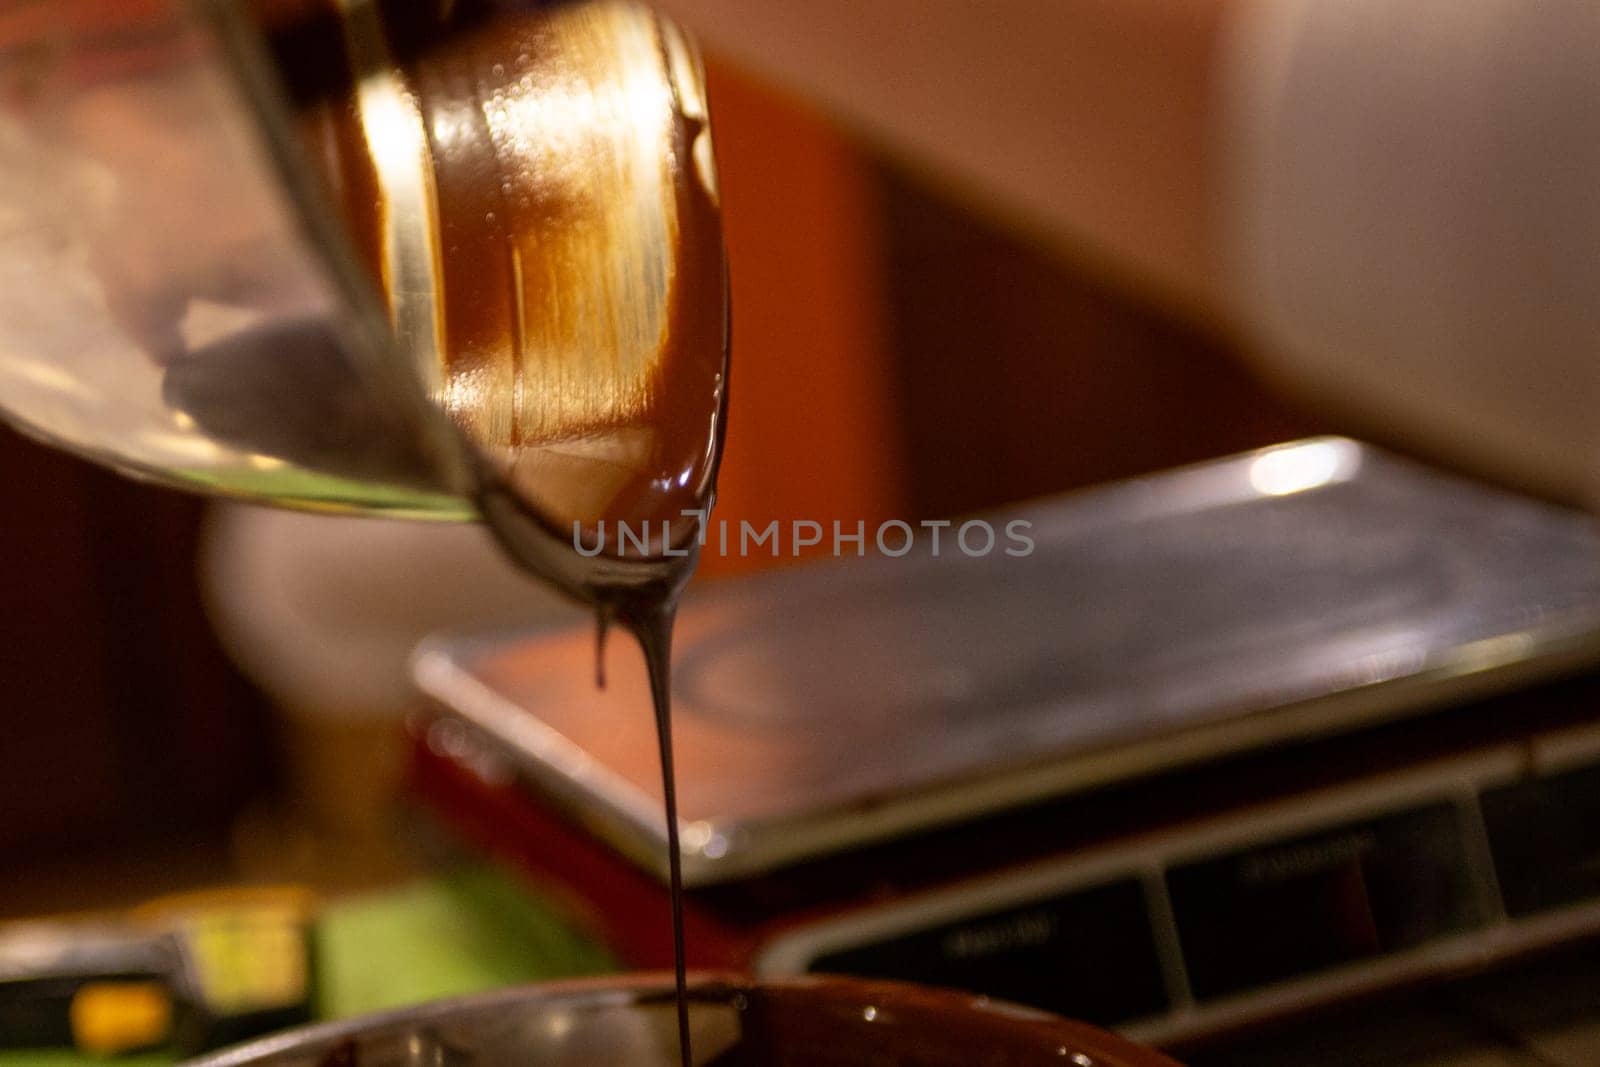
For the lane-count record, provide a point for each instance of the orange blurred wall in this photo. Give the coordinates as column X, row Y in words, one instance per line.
column 814, row 432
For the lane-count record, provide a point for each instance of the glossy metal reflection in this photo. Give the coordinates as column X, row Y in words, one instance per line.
column 550, row 245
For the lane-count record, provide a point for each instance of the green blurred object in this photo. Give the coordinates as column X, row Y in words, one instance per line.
column 471, row 929
column 64, row 1057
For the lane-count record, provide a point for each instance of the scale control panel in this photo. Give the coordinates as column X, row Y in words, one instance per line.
column 1213, row 925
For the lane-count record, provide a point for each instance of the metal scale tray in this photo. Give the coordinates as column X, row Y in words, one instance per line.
column 1299, row 590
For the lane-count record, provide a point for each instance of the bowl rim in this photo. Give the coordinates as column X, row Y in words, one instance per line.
column 1078, row 1043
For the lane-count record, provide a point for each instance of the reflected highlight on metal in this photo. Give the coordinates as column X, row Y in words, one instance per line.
column 398, row 145
column 1302, row 466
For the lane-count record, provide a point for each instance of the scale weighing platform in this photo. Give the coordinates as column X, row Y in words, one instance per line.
column 1231, row 742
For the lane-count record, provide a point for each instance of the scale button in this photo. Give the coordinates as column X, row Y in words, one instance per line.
column 1304, row 904
column 1545, row 838
column 1088, row 954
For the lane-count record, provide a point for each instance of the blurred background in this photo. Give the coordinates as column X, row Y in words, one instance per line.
column 205, row 696
column 897, row 353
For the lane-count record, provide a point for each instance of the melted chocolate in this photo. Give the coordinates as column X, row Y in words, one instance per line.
column 532, row 193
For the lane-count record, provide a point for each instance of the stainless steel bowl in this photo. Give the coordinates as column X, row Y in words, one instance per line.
column 630, row 1021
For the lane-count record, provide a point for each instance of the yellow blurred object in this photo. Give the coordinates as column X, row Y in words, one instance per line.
column 246, row 946
column 249, row 960
column 112, row 1017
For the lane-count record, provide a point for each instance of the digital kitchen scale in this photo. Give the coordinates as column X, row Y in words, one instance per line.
column 1232, row 739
